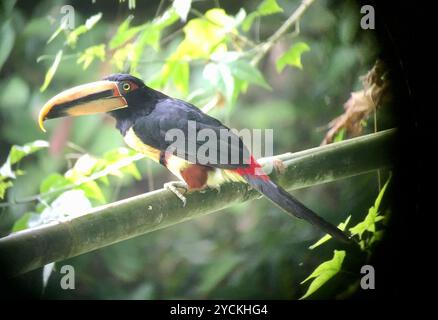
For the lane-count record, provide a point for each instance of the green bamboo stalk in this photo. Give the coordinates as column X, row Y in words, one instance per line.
column 32, row 248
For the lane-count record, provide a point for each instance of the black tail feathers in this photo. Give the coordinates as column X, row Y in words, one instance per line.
column 288, row 203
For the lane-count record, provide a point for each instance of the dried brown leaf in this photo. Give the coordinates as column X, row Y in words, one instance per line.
column 360, row 104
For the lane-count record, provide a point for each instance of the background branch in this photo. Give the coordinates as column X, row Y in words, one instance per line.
column 294, row 18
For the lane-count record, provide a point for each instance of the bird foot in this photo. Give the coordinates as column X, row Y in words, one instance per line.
column 173, row 186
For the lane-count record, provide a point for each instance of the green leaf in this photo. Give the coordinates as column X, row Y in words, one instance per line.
column 121, row 55
column 149, row 36
column 6, row 41
column 181, row 75
column 369, row 223
column 91, row 53
column 117, row 154
column 324, row 272
column 21, row 223
column 327, row 237
column 53, row 182
column 340, row 135
column 125, row 33
column 168, row 18
column 249, row 20
column 205, row 36
column 4, row 185
column 51, row 72
column 93, row 191
column 292, row 56
column 83, row 167
column 73, row 36
column 18, row 152
column 132, row 170
column 57, row 31
column 243, row 70
column 268, row 7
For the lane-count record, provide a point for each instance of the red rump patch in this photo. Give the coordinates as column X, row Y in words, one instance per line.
column 195, row 176
column 254, row 170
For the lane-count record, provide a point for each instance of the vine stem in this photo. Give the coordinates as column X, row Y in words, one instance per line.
column 293, row 19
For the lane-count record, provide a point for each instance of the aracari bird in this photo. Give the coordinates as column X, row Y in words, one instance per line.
column 143, row 116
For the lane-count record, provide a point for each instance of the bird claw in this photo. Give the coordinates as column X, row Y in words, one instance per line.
column 173, row 186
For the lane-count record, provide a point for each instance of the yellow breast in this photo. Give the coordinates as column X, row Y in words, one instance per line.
column 135, row 143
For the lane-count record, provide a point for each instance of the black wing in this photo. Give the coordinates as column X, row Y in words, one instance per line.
column 185, row 131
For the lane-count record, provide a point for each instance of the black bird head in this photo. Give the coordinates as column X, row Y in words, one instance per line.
column 118, row 94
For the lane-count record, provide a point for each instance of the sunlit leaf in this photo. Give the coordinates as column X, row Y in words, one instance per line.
column 182, row 7
column 21, row 223
column 18, row 152
column 125, row 33
column 121, row 55
column 83, row 167
column 292, row 56
column 53, row 182
column 324, row 272
column 51, row 72
column 91, row 53
column 73, row 36
column 219, row 75
column 168, row 18
column 249, row 20
column 132, row 170
column 93, row 191
column 58, row 31
column 181, row 76
column 4, row 185
column 104, row 180
column 340, row 135
column 327, row 237
column 204, row 36
column 267, row 7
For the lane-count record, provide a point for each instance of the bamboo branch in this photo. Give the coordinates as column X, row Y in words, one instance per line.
column 32, row 248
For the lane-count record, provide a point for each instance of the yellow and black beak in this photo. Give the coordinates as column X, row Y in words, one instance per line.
column 96, row 97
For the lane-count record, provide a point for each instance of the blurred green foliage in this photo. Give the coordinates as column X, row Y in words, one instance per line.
column 199, row 52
